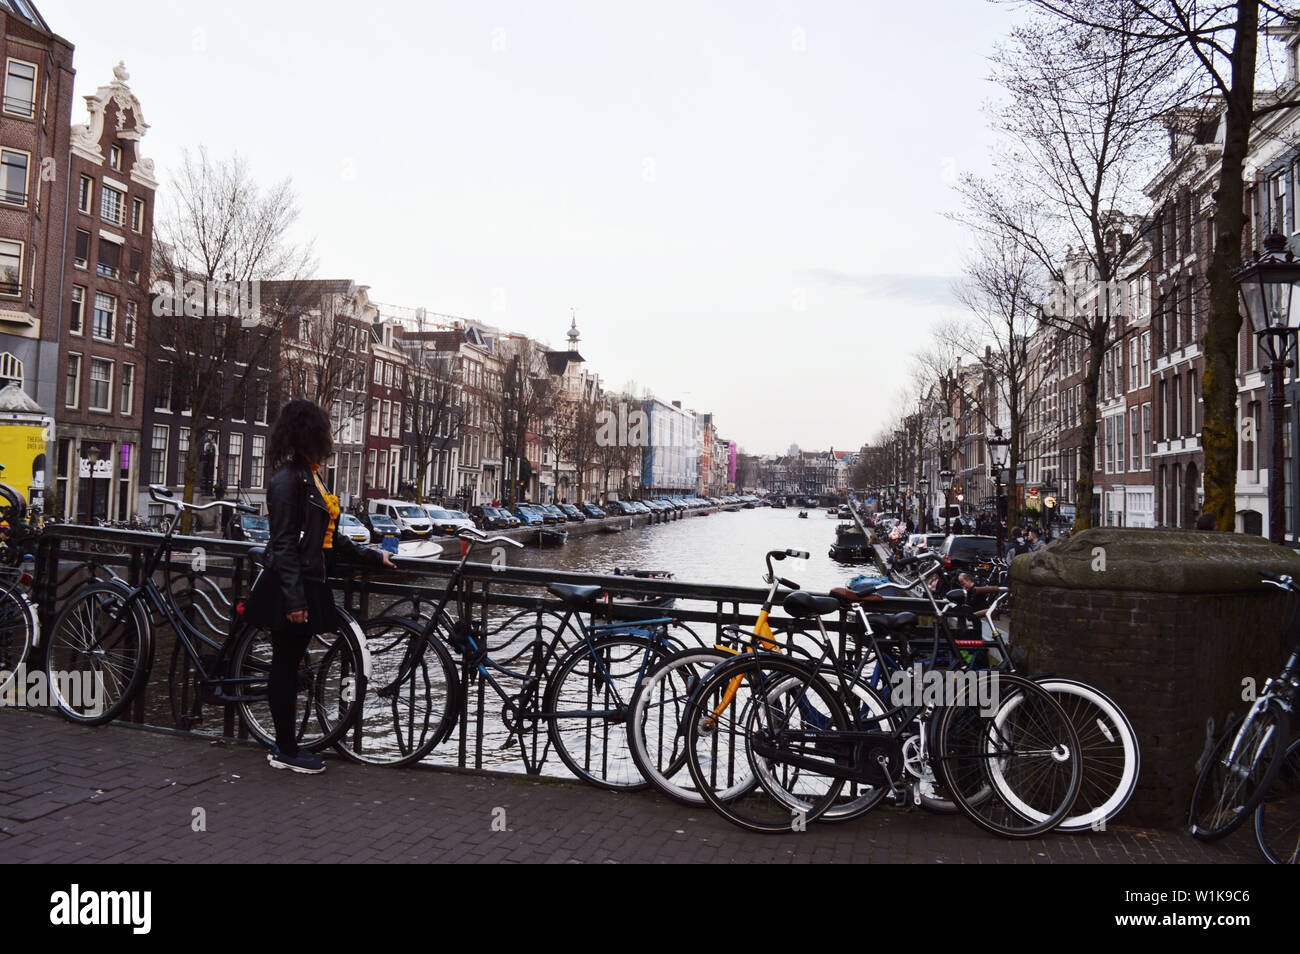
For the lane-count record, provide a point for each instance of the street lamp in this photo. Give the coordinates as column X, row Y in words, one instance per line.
column 1267, row 286
column 923, row 485
column 945, row 482
column 1049, row 504
column 999, row 452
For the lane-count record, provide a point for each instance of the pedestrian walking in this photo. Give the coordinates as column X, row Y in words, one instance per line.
column 291, row 597
column 1035, row 542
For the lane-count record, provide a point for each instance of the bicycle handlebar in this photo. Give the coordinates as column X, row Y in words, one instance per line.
column 165, row 496
column 478, row 536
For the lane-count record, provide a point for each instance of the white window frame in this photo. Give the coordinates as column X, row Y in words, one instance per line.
column 27, row 177
column 36, row 78
column 127, row 396
column 74, row 361
column 112, row 318
column 108, row 390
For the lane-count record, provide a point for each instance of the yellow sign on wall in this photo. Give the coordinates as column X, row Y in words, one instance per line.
column 22, row 451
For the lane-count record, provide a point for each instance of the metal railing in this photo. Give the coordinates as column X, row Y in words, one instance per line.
column 209, row 577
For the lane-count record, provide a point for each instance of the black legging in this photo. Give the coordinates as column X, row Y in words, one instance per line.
column 287, row 649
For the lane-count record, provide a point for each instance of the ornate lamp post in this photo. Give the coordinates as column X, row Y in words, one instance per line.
column 999, row 452
column 1267, row 286
column 945, row 482
column 1049, row 504
column 923, row 485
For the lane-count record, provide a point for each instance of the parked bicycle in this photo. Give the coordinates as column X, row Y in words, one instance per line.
column 1240, row 771
column 101, row 651
column 575, row 677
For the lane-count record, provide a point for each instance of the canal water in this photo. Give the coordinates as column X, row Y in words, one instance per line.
column 723, row 548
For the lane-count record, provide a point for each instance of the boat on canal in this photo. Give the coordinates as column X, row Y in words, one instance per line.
column 648, row 600
column 552, row 537
column 851, row 545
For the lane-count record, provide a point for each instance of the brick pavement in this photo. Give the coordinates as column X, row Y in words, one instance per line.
column 120, row 794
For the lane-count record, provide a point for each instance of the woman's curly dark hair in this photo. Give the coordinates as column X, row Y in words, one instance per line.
column 302, row 429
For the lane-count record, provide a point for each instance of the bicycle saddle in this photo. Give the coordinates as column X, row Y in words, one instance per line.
column 574, row 595
column 258, row 555
column 847, row 596
column 803, row 604
column 892, row 622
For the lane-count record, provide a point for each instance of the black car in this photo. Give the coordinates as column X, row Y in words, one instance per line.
column 491, row 518
column 379, row 525
column 573, row 513
column 255, row 528
column 966, row 552
column 592, row 511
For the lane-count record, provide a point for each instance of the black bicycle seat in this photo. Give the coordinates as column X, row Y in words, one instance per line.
column 575, row 596
column 803, row 604
column 258, row 555
column 890, row 623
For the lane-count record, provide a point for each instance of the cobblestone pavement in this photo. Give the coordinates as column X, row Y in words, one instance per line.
column 118, row 794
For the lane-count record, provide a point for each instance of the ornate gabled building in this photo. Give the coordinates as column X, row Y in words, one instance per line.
column 103, row 327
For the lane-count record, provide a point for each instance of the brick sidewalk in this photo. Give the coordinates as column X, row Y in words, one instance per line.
column 118, row 794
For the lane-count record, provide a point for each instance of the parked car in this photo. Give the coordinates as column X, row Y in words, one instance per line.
column 573, row 513
column 922, row 542
column 443, row 518
column 528, row 516
column 592, row 511
column 491, row 518
column 380, row 524
column 352, row 528
column 622, row 508
column 965, row 552
column 253, row 527
column 412, row 518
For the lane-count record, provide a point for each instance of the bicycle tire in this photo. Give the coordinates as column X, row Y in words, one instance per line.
column 868, row 712
column 335, row 685
column 772, row 689
column 17, row 632
column 1238, row 773
column 1015, row 770
column 598, row 676
column 1277, row 817
column 1108, row 745
column 69, row 651
column 655, row 721
column 410, row 704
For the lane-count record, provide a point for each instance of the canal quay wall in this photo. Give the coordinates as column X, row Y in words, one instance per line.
column 605, row 524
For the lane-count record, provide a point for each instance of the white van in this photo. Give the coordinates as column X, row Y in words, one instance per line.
column 951, row 512
column 412, row 518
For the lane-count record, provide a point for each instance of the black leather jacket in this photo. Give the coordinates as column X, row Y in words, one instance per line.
column 298, row 518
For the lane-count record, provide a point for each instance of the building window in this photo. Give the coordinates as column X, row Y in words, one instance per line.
column 115, row 157
column 11, row 268
column 137, row 215
column 235, row 460
column 128, row 389
column 85, row 194
column 11, row 370
column 101, row 384
column 105, row 317
column 110, row 259
column 72, row 382
column 158, row 455
column 81, row 257
column 20, row 89
column 1146, row 436
column 370, row 468
column 374, row 420
column 112, row 205
column 128, row 325
column 13, row 177
column 259, row 460
column 78, row 312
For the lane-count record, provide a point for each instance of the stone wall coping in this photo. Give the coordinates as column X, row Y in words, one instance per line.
column 1156, row 561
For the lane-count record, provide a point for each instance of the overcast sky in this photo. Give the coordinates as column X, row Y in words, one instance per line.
column 742, row 201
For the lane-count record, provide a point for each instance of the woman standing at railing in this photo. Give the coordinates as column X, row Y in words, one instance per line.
column 292, row 598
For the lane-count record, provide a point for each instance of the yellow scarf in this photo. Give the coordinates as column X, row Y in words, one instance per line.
column 331, row 503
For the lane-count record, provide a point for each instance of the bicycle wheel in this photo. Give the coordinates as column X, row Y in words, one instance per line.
column 587, row 706
column 657, row 732
column 93, row 665
column 1238, row 773
column 17, row 626
column 410, row 704
column 867, row 712
column 1277, row 818
column 1014, row 766
column 331, row 686
column 739, row 724
column 1109, row 749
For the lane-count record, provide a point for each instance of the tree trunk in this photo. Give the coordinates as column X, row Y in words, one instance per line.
column 1088, row 445
column 1219, row 385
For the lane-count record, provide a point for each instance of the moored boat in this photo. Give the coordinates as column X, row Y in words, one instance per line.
column 652, row 600
column 552, row 537
column 851, row 545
